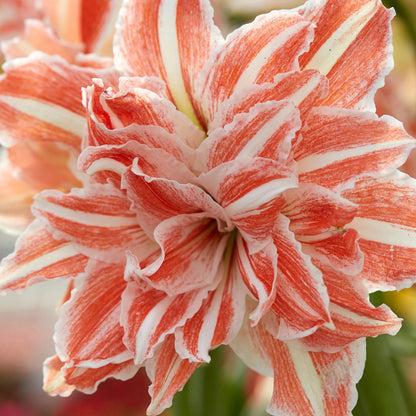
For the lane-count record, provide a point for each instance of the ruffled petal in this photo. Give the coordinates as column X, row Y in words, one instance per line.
column 170, row 39
column 313, row 210
column 302, row 89
column 148, row 315
column 169, row 373
column 250, row 191
column 101, row 131
column 156, row 199
column 88, row 331
column 305, row 382
column 259, row 272
column 339, row 249
column 38, row 256
column 354, row 143
column 317, row 218
column 191, row 253
column 40, row 99
column 352, row 314
column 59, row 379
column 134, row 103
column 265, row 131
column 219, row 319
column 96, row 219
column 301, row 301
column 385, row 222
column 111, row 162
column 352, row 47
column 258, row 48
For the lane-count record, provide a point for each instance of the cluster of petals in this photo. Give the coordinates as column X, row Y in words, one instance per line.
column 236, row 191
column 39, row 152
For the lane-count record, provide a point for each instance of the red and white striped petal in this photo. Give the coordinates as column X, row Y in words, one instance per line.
column 302, row 89
column 156, row 199
column 253, row 54
column 148, row 315
column 16, row 198
column 259, row 273
column 352, row 47
column 385, row 222
column 135, row 104
column 305, row 383
column 43, row 165
column 37, row 257
column 38, row 37
column 96, row 219
column 170, row 39
column 317, row 218
column 169, row 373
column 88, row 331
column 352, row 314
column 60, row 379
column 191, row 255
column 153, row 136
column 354, row 143
column 267, row 130
column 250, row 191
column 339, row 249
column 40, row 99
column 220, row 317
column 111, row 162
column 301, row 301
column 313, row 210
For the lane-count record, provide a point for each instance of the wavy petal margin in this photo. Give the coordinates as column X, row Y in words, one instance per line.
column 305, row 383
column 385, row 222
column 37, row 257
column 352, row 47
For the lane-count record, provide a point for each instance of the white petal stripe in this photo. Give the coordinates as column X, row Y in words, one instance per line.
column 94, row 220
column 248, row 77
column 259, row 196
column 258, row 141
column 329, row 53
column 308, row 376
column 383, row 232
column 57, row 116
column 39, row 263
column 170, row 54
column 319, row 161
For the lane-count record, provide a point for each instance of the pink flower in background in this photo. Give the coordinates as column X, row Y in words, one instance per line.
column 42, row 144
column 234, row 191
column 12, row 16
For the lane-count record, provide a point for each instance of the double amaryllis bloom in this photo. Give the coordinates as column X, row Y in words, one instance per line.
column 235, row 191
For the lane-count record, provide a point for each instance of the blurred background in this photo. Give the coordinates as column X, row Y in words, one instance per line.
column 388, row 387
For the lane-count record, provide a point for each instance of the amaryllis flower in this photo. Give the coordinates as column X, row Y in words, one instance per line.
column 240, row 191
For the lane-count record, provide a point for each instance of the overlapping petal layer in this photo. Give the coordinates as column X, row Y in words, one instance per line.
column 88, row 332
column 386, row 226
column 40, row 100
column 39, row 256
column 305, row 382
